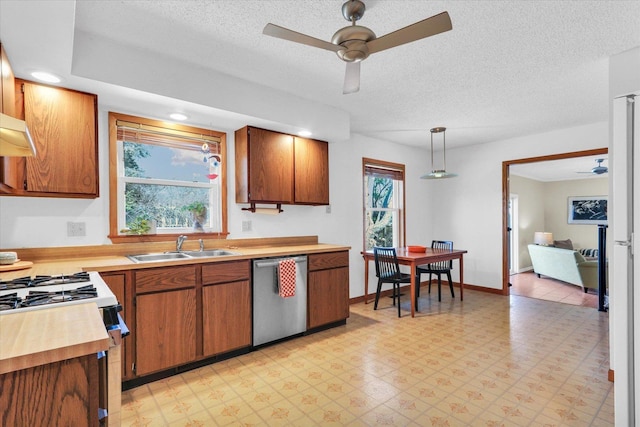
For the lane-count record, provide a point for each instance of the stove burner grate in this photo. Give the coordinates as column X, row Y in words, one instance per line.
column 27, row 282
column 34, row 298
column 9, row 301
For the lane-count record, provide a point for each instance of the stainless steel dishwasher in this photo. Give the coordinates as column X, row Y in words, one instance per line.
column 275, row 317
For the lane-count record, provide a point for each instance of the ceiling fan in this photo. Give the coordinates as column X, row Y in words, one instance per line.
column 355, row 43
column 598, row 170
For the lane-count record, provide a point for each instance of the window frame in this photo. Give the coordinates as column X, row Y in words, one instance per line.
column 394, row 167
column 116, row 199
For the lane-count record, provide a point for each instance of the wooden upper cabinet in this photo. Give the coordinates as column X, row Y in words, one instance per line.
column 63, row 125
column 311, row 171
column 8, row 105
column 273, row 167
column 11, row 168
column 264, row 166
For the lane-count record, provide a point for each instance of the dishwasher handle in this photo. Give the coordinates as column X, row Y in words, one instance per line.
column 275, row 262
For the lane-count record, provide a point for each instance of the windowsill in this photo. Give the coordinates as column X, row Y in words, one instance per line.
column 140, row 238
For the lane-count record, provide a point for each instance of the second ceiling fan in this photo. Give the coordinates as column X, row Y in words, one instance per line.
column 355, row 43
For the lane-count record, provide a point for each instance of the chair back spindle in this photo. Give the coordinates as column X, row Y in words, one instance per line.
column 442, row 265
column 386, row 262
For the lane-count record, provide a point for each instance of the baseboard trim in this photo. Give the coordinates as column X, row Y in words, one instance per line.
column 406, row 289
column 610, row 375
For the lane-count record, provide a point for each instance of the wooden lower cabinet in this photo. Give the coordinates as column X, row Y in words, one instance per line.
column 328, row 288
column 186, row 313
column 165, row 330
column 226, row 317
column 62, row 393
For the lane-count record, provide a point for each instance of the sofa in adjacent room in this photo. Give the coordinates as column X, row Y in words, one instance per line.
column 567, row 265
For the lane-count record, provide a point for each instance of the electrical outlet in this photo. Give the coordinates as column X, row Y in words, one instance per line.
column 328, row 209
column 76, row 229
column 246, row 225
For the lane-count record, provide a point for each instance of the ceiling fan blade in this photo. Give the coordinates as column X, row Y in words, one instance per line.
column 351, row 78
column 428, row 27
column 286, row 34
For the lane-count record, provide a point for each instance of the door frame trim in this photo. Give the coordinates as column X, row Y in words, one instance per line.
column 505, row 199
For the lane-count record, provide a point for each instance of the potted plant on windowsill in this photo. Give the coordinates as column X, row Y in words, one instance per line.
column 139, row 226
column 198, row 215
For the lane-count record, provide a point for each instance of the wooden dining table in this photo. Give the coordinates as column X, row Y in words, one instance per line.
column 414, row 259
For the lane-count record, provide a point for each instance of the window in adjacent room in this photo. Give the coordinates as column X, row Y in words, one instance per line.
column 165, row 176
column 383, row 189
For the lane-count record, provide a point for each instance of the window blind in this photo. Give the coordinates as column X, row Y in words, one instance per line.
column 383, row 172
column 146, row 134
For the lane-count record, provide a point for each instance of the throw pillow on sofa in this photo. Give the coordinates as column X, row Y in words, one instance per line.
column 563, row 244
column 589, row 253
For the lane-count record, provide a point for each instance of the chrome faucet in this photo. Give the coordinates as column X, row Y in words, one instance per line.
column 201, row 244
column 179, row 242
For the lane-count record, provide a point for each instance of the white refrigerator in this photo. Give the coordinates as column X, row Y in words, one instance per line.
column 624, row 163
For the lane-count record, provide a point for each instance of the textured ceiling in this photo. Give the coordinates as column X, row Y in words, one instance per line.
column 561, row 170
column 507, row 69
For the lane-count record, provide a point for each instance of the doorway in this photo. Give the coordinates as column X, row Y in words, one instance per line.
column 507, row 240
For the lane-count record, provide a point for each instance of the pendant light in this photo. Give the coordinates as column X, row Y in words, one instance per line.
column 439, row 173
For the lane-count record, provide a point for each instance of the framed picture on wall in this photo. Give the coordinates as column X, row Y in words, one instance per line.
column 588, row 210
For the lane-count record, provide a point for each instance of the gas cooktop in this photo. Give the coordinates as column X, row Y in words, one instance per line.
column 40, row 292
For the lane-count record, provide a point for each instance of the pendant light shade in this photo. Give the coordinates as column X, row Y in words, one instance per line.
column 439, row 173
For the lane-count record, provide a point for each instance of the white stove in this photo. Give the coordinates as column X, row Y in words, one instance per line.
column 40, row 292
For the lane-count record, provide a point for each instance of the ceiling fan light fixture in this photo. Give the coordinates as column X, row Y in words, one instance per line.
column 439, row 173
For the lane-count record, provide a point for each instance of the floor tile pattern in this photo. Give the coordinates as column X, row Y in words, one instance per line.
column 530, row 285
column 487, row 361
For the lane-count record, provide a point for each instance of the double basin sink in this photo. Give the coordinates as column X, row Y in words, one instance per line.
column 170, row 256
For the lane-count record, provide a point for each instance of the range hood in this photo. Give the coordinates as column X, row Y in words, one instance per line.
column 15, row 140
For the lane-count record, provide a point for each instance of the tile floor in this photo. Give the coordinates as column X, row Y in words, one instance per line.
column 488, row 361
column 529, row 285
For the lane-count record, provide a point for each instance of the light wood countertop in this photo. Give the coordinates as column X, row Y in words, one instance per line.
column 38, row 337
column 81, row 260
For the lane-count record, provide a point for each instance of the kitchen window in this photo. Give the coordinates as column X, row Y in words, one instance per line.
column 165, row 180
column 384, row 215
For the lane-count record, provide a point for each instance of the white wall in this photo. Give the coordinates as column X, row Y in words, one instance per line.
column 556, row 210
column 42, row 222
column 465, row 209
column 530, row 214
column 470, row 206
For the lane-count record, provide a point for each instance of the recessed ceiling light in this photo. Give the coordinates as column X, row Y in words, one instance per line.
column 305, row 133
column 178, row 116
column 46, row 77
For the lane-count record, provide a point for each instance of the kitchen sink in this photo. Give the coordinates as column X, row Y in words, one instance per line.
column 209, row 253
column 157, row 257
column 170, row 256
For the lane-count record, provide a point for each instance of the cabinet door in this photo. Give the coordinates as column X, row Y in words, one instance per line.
column 63, row 125
column 64, row 393
column 166, row 330
column 226, row 316
column 270, row 166
column 311, row 172
column 328, row 296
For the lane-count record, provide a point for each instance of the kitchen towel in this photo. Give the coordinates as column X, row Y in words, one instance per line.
column 287, row 278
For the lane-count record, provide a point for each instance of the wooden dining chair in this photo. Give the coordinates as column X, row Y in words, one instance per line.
column 437, row 268
column 388, row 271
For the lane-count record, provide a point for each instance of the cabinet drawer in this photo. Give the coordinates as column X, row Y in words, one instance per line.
column 223, row 272
column 328, row 260
column 164, row 279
